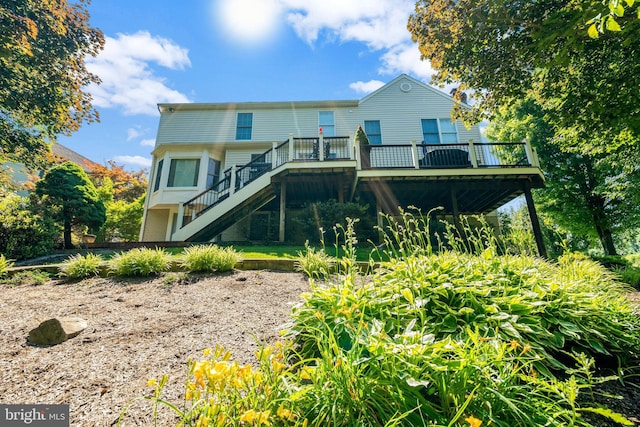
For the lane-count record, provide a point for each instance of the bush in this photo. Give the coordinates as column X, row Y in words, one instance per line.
column 315, row 263
column 5, row 265
column 79, row 267
column 140, row 262
column 23, row 233
column 432, row 339
column 213, row 258
column 27, row 278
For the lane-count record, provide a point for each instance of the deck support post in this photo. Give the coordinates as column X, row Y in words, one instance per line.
column 283, row 210
column 456, row 215
column 535, row 223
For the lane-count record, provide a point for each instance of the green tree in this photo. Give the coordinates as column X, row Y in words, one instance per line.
column 71, row 198
column 504, row 51
column 590, row 195
column 43, row 46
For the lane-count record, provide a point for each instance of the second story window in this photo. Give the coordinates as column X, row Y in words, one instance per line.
column 439, row 131
column 244, row 126
column 372, row 129
column 183, row 173
column 156, row 184
column 326, row 122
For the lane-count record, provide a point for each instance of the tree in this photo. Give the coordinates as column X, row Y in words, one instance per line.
column 505, row 51
column 43, row 46
column 127, row 186
column 590, row 195
column 71, row 198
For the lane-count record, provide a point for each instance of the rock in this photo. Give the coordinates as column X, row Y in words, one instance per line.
column 54, row 331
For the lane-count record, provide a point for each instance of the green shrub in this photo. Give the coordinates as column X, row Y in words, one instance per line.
column 79, row 267
column 203, row 258
column 5, row 265
column 315, row 263
column 140, row 262
column 630, row 276
column 27, row 278
column 23, row 233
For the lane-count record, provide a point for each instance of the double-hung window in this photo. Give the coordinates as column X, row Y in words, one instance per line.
column 372, row 129
column 244, row 126
column 156, row 184
column 326, row 123
column 439, row 131
column 183, row 173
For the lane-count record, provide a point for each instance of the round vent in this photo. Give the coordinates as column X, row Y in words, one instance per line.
column 405, row 87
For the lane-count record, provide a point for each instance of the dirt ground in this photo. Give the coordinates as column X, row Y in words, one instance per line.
column 139, row 329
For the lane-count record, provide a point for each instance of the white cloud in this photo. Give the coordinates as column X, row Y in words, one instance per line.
column 148, row 142
column 133, row 160
column 366, row 87
column 377, row 23
column 128, row 79
column 133, row 133
column 380, row 24
column 405, row 58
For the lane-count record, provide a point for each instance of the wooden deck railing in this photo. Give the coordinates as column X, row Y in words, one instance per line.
column 385, row 156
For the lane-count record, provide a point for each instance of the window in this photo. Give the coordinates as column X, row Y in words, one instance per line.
column 439, row 131
column 156, row 185
column 244, row 126
column 325, row 121
column 212, row 172
column 372, row 129
column 183, row 173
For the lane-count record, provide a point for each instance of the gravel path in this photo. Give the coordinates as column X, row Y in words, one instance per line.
column 138, row 329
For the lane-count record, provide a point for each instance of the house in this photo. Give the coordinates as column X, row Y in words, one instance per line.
column 236, row 171
column 23, row 180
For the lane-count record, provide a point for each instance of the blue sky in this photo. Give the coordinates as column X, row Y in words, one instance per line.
column 234, row 51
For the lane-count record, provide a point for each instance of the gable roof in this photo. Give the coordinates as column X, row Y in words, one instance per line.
column 413, row 81
column 70, row 155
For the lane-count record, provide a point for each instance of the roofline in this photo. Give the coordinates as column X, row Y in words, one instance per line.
column 255, row 105
column 413, row 80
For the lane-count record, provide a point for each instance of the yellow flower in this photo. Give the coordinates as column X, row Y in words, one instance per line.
column 249, row 416
column 473, row 421
column 284, row 413
column 277, row 366
column 152, row 382
column 206, row 351
column 514, row 345
column 305, row 373
column 526, row 348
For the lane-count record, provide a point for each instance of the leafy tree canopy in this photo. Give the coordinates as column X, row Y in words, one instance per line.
column 71, row 198
column 127, row 186
column 591, row 195
column 504, row 51
column 43, row 45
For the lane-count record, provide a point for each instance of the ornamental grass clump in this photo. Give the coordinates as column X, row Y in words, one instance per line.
column 5, row 265
column 315, row 263
column 209, row 258
column 140, row 262
column 80, row 267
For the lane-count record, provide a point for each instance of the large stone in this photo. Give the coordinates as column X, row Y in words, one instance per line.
column 54, row 331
